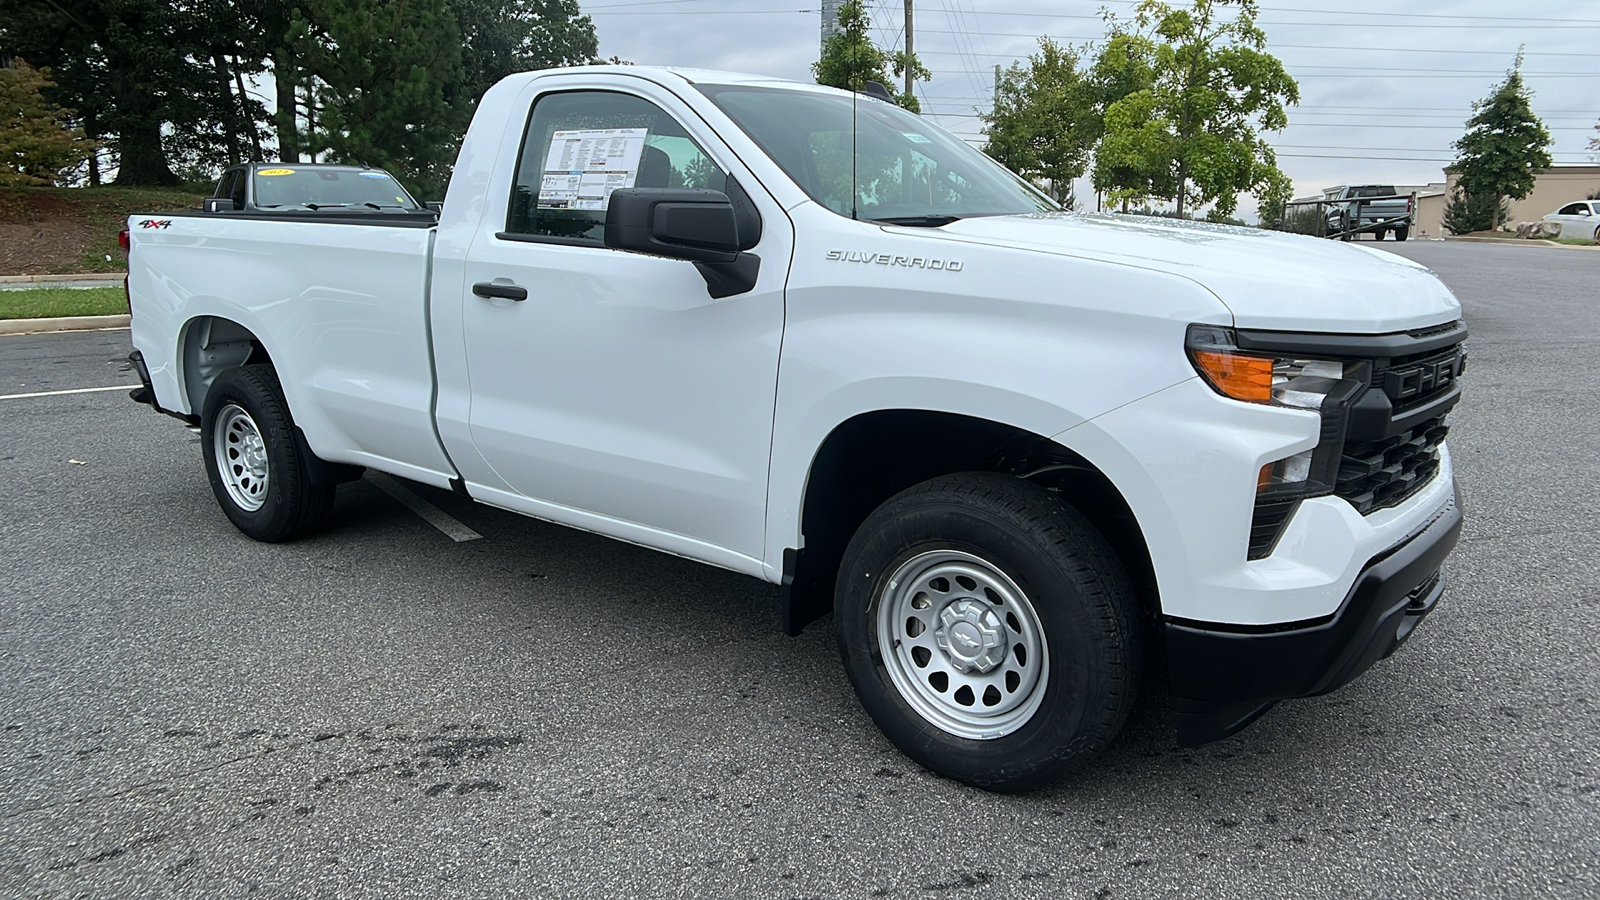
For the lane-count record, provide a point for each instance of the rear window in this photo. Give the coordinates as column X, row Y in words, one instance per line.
column 1379, row 190
column 291, row 186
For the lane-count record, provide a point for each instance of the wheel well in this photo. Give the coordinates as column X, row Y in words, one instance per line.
column 211, row 346
column 870, row 458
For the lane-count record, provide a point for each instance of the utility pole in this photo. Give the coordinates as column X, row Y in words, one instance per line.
column 909, row 51
column 830, row 19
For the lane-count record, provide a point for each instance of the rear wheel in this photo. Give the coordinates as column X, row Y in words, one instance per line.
column 1401, row 232
column 257, row 470
column 1381, row 233
column 989, row 630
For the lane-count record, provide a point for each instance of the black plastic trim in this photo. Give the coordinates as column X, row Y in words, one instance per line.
column 729, row 278
column 1224, row 677
column 353, row 217
column 319, row 471
column 550, row 239
column 801, row 599
column 1399, row 343
column 146, row 392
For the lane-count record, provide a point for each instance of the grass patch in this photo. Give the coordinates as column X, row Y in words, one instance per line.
column 49, row 303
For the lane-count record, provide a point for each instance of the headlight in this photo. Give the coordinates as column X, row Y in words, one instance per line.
column 1256, row 378
column 1324, row 386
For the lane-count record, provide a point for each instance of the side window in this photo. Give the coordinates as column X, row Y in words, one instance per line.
column 241, row 180
column 225, row 184
column 1573, row 209
column 582, row 145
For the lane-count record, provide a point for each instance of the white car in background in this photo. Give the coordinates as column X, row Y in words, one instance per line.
column 1579, row 220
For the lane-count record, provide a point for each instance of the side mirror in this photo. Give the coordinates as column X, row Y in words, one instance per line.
column 695, row 225
column 435, row 205
column 217, row 204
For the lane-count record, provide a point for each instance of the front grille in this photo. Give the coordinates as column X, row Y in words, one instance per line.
column 1410, row 381
column 1376, row 475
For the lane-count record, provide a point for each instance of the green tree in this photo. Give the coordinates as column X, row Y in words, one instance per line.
column 849, row 58
column 1045, row 119
column 38, row 143
column 1466, row 213
column 382, row 70
column 501, row 37
column 1505, row 142
column 1200, row 89
column 148, row 78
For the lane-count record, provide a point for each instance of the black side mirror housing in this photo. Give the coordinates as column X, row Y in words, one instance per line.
column 217, row 204
column 696, row 225
column 435, row 205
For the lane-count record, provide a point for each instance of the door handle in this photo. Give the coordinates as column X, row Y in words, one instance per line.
column 492, row 291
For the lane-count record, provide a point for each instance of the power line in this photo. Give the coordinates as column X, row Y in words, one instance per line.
column 1324, row 12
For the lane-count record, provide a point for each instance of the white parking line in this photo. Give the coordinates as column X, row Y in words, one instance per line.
column 119, row 387
column 431, row 514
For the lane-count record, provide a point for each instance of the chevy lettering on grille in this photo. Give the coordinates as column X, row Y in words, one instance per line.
column 1424, row 376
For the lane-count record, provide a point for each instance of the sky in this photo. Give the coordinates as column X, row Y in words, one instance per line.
column 1382, row 93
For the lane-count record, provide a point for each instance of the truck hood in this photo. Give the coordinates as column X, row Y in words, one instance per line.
column 1267, row 279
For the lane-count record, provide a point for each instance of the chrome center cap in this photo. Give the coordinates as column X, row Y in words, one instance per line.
column 255, row 455
column 971, row 636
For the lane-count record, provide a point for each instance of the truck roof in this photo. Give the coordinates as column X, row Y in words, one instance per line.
column 665, row 74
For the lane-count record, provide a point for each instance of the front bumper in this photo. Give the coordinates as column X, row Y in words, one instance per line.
column 1225, row 676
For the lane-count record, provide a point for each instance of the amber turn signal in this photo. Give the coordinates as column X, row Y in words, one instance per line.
column 1237, row 375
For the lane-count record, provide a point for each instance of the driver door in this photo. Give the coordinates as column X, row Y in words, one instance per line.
column 619, row 396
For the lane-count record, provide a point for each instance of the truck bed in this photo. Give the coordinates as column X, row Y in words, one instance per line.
column 340, row 298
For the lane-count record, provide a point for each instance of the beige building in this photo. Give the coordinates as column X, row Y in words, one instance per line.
column 1553, row 188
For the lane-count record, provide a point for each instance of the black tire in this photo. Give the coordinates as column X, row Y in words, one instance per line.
column 1382, row 233
column 1401, row 232
column 1067, row 576
column 284, row 504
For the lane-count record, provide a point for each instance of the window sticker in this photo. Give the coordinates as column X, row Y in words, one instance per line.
column 915, row 138
column 275, row 172
column 583, row 166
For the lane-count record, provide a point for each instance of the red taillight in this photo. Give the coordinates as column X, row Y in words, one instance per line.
column 123, row 242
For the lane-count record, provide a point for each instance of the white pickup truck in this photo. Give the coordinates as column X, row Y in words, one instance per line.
column 1021, row 455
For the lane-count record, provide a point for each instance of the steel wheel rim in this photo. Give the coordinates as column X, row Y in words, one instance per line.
column 241, row 458
column 962, row 644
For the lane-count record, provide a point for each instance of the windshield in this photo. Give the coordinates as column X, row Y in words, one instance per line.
column 905, row 168
column 293, row 186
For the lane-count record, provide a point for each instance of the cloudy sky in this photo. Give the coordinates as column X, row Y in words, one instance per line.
column 1383, row 93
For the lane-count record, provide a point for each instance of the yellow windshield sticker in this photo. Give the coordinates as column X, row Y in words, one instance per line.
column 275, row 172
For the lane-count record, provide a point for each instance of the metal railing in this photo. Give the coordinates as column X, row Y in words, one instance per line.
column 1311, row 217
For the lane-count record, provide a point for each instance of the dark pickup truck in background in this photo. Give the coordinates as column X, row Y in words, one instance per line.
column 1353, row 209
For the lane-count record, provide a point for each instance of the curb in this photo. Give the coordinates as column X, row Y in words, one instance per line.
column 1523, row 242
column 47, row 279
column 70, row 323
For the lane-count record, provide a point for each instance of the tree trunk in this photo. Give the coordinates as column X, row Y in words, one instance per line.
column 92, row 132
column 229, row 112
column 141, row 159
column 244, row 113
column 284, row 118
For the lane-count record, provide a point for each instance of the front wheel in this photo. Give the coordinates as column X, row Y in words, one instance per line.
column 257, row 470
column 989, row 630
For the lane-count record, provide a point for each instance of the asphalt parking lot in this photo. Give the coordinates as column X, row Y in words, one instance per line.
column 383, row 711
